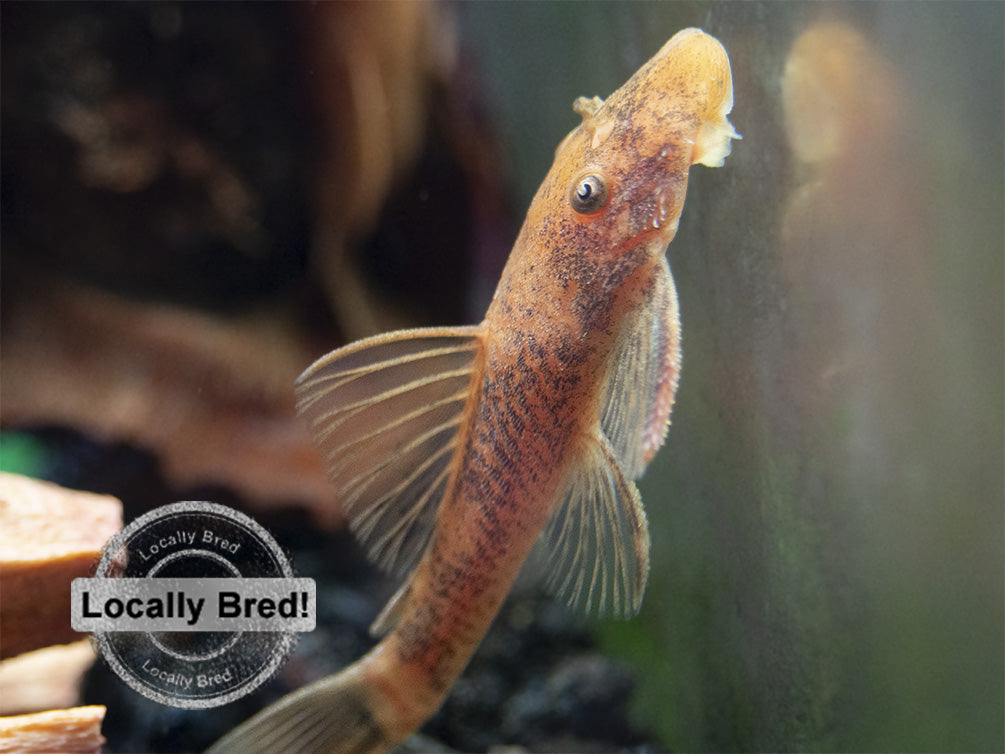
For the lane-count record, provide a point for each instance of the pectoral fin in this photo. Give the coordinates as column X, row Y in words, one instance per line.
column 385, row 414
column 642, row 377
column 596, row 544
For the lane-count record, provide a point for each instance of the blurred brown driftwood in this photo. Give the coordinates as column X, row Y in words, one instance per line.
column 212, row 396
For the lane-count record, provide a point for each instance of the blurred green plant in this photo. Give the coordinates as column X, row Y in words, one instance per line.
column 21, row 453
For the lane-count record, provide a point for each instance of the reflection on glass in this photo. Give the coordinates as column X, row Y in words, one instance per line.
column 854, row 242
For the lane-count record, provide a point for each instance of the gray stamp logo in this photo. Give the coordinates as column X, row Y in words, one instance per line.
column 194, row 605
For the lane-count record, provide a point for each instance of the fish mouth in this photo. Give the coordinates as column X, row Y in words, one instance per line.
column 707, row 62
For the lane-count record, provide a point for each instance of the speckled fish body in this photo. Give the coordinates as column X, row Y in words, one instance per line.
column 456, row 452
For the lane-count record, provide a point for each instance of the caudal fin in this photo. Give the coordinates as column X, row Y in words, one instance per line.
column 330, row 715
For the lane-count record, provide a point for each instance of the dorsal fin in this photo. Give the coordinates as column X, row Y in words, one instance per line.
column 385, row 414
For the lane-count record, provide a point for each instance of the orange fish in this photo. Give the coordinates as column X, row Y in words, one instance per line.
column 456, row 451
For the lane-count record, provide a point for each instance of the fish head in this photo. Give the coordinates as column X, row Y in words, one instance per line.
column 623, row 171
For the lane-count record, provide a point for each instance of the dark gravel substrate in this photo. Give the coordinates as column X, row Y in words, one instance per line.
column 537, row 682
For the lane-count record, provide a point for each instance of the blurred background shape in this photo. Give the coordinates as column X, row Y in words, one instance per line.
column 199, row 201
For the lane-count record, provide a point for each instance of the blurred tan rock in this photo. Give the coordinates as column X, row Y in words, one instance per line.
column 48, row 537
column 73, row 731
column 44, row 679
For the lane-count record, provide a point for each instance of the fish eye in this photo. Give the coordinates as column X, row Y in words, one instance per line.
column 589, row 194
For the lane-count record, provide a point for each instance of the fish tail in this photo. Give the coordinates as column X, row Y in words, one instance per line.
column 334, row 714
